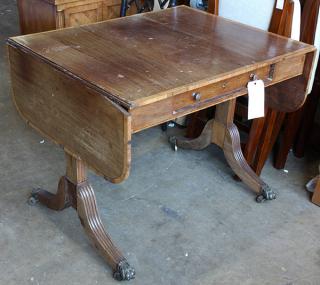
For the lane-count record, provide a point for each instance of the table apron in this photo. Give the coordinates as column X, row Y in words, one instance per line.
column 185, row 103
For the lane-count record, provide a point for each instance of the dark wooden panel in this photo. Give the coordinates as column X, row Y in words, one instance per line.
column 36, row 16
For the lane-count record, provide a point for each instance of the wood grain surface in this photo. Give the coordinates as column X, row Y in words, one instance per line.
column 152, row 73
column 86, row 123
column 174, row 51
column 36, row 16
column 182, row 104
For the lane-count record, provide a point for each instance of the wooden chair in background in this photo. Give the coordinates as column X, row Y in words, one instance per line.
column 298, row 125
column 264, row 131
column 213, row 7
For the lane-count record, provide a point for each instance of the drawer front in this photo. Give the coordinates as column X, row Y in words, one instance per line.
column 188, row 102
column 84, row 14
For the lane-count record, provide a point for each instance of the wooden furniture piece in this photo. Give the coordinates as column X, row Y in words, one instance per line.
column 298, row 125
column 91, row 99
column 213, row 7
column 316, row 195
column 307, row 128
column 44, row 15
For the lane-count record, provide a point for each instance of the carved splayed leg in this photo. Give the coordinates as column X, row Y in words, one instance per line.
column 93, row 226
column 198, row 143
column 236, row 160
column 58, row 201
column 74, row 190
column 226, row 135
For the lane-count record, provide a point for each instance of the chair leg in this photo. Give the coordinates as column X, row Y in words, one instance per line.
column 316, row 194
column 309, row 111
column 254, row 137
column 271, row 129
column 291, row 127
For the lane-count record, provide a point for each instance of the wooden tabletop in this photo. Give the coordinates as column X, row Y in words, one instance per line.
column 144, row 58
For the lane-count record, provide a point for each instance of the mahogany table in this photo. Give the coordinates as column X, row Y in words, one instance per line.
column 90, row 88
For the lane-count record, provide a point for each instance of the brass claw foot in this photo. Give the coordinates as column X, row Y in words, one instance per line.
column 124, row 271
column 266, row 194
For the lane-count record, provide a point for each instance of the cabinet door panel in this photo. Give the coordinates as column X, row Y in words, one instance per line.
column 111, row 9
column 85, row 14
column 36, row 16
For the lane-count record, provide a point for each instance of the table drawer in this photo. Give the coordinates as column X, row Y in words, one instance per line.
column 200, row 98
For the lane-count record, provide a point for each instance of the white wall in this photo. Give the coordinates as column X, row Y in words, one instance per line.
column 251, row 12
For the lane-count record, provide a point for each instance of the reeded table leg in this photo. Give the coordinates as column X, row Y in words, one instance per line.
column 236, row 160
column 74, row 190
column 58, row 201
column 222, row 132
column 93, row 226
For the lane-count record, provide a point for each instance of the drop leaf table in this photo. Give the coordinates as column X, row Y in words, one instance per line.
column 90, row 88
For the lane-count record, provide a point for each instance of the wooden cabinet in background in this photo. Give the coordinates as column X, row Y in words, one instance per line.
column 43, row 15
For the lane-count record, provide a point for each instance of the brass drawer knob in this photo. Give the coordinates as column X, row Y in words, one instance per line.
column 196, row 96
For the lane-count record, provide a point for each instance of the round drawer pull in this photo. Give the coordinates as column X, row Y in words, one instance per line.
column 196, row 96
